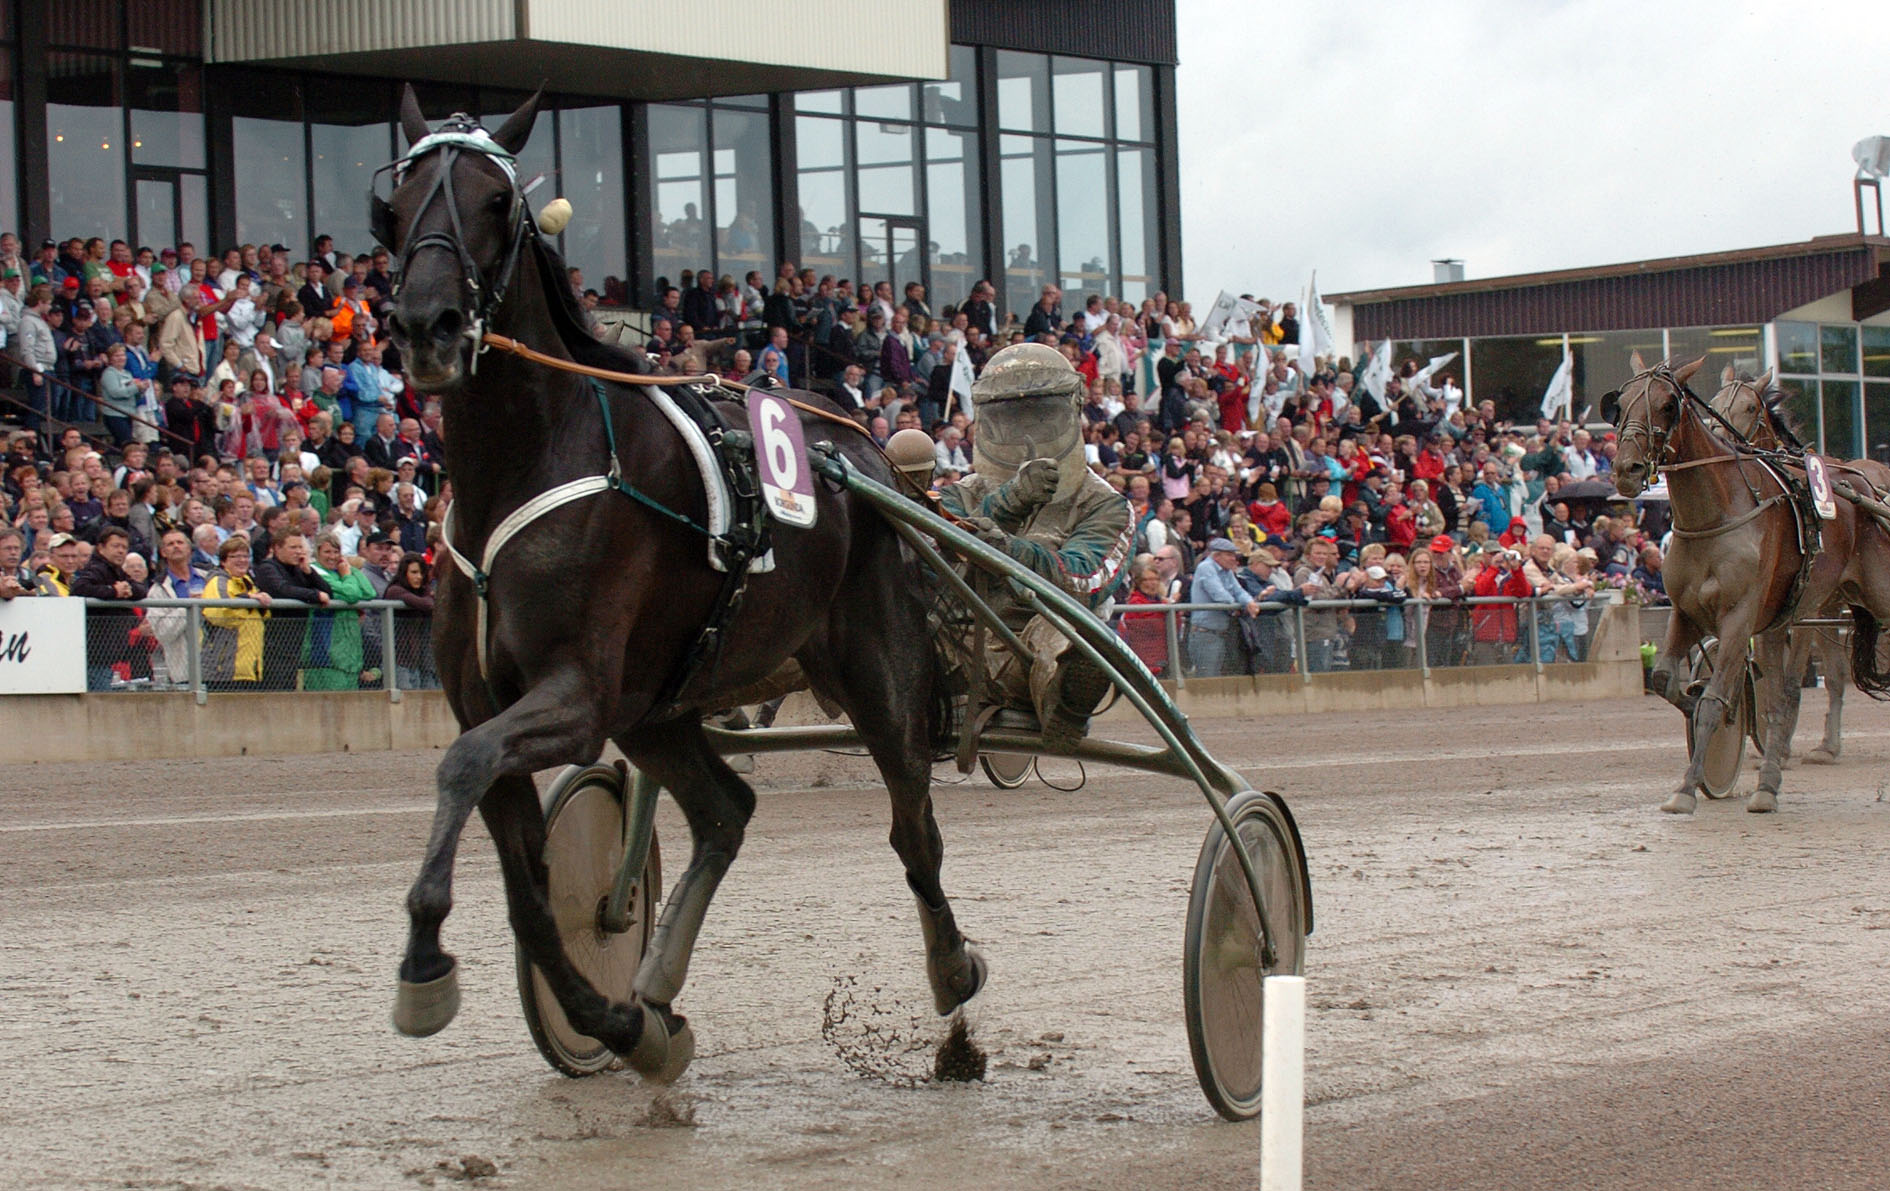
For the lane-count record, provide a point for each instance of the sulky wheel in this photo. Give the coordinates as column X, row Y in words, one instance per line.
column 584, row 841
column 1223, row 965
column 1726, row 750
column 1007, row 771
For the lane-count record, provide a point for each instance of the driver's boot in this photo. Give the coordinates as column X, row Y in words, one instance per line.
column 1071, row 693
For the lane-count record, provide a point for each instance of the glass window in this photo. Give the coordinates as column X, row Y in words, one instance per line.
column 759, row 102
column 1028, row 217
column 168, row 26
column 94, row 24
column 166, row 113
column 193, row 209
column 885, row 103
column 85, row 150
column 1601, row 363
column 1135, row 104
column 1797, row 347
column 744, row 192
column 154, row 208
column 954, row 101
column 1740, row 348
column 1135, row 189
column 886, row 164
column 1023, row 92
column 1841, row 437
column 1077, row 91
column 1082, row 220
column 678, row 229
column 9, row 168
column 1837, row 349
column 591, row 146
column 1798, row 400
column 349, row 138
column 1511, row 371
column 821, row 148
column 270, row 163
column 1876, row 342
column 831, row 103
column 1877, row 420
column 952, row 219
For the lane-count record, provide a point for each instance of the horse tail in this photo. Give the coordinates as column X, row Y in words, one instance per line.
column 1870, row 677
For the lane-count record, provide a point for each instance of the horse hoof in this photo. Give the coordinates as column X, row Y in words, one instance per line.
column 1821, row 756
column 424, row 1009
column 660, row 1056
column 1679, row 804
column 958, row 980
column 1762, row 802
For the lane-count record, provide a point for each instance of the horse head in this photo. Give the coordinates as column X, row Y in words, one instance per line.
column 1644, row 412
column 1742, row 403
column 456, row 224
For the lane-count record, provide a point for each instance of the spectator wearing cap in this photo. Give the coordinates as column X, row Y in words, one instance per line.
column 1269, row 648
column 46, row 269
column 65, row 555
column 352, row 319
column 12, row 306
column 1210, row 631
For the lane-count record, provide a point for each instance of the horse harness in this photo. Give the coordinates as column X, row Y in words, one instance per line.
column 1793, row 492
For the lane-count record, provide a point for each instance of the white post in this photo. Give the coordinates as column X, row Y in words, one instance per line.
column 1282, row 1083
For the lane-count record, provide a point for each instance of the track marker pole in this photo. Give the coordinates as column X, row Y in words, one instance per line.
column 1283, row 1083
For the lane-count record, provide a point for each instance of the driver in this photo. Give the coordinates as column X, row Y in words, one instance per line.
column 1031, row 495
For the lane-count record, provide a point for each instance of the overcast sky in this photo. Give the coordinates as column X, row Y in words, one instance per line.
column 1364, row 139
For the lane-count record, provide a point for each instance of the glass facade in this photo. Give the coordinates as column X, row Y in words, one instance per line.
column 1834, row 379
column 887, row 182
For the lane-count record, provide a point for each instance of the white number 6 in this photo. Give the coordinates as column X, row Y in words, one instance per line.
column 780, row 448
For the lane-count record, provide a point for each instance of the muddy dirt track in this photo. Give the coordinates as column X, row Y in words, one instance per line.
column 1523, row 977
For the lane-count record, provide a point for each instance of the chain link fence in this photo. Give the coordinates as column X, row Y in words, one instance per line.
column 243, row 645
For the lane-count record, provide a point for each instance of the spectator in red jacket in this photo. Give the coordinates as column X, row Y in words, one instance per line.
column 1493, row 626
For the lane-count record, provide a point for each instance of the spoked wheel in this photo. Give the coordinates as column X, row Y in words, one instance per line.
column 584, row 842
column 1007, row 771
column 1223, row 964
column 1726, row 748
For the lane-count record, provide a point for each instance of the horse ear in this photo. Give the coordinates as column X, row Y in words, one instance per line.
column 1685, row 372
column 517, row 128
column 1636, row 363
column 1727, row 376
column 412, row 123
column 1764, row 382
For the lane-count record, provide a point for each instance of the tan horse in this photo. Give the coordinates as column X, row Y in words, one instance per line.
column 1744, row 406
column 1737, row 568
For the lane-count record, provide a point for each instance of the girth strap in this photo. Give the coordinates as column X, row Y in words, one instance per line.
column 1728, row 526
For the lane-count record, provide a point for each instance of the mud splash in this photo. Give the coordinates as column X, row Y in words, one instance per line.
column 886, row 1043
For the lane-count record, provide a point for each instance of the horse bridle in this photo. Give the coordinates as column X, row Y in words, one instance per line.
column 460, row 134
column 1654, row 441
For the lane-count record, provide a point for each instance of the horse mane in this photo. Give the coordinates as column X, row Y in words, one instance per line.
column 1781, row 422
column 572, row 323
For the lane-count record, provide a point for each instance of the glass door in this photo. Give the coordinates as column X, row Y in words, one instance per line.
column 893, row 248
column 156, row 223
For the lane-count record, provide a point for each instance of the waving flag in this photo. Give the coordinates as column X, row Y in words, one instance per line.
column 1315, row 333
column 1377, row 371
column 1561, row 391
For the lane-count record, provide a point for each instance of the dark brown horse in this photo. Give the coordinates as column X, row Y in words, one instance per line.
column 1738, row 567
column 589, row 613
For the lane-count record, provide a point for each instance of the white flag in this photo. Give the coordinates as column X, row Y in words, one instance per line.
column 1377, row 371
column 1315, row 333
column 1424, row 373
column 1223, row 309
column 1561, row 390
column 961, row 382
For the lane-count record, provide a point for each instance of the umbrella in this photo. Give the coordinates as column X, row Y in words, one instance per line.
column 1588, row 492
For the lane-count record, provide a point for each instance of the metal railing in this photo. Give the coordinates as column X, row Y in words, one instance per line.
column 206, row 646
column 1329, row 636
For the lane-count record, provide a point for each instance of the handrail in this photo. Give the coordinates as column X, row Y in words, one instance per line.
column 70, row 387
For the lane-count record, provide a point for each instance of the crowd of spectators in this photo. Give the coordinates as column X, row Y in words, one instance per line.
column 249, row 398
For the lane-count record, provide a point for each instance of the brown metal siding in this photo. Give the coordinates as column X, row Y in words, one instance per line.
column 1135, row 32
column 1723, row 295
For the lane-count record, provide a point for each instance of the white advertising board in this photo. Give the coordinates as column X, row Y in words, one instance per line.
column 42, row 646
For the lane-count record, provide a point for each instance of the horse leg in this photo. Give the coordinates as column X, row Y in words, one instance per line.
column 1781, row 662
column 1834, row 662
column 1669, row 682
column 888, row 709
column 551, row 725
column 516, row 821
column 718, row 805
column 1712, row 710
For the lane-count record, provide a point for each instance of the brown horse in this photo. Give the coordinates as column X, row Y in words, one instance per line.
column 1748, row 410
column 1741, row 562
column 581, row 631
